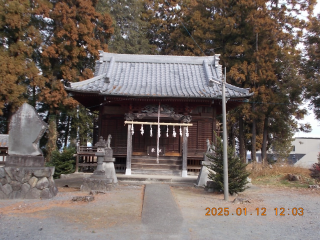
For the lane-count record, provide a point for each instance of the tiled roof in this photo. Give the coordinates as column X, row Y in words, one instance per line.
column 158, row 76
column 4, row 138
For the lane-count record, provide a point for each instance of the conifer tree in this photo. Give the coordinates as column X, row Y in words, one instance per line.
column 237, row 174
column 20, row 43
column 312, row 63
column 77, row 32
column 130, row 31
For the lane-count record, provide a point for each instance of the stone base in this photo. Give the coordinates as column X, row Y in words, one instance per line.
column 97, row 183
column 203, row 175
column 27, row 183
column 24, row 161
column 110, row 171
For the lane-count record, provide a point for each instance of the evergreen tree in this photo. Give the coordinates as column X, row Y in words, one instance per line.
column 312, row 64
column 129, row 30
column 76, row 33
column 237, row 174
column 64, row 162
column 20, row 42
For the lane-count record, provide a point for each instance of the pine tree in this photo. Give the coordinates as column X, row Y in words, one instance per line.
column 237, row 174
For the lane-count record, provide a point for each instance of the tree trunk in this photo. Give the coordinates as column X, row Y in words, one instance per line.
column 67, row 132
column 264, row 140
column 242, row 148
column 253, row 139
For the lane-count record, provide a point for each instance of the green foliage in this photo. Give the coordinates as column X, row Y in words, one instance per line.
column 130, row 32
column 315, row 170
column 64, row 162
column 52, row 138
column 237, row 173
column 312, row 63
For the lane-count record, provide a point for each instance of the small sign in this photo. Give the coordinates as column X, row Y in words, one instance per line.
column 152, row 151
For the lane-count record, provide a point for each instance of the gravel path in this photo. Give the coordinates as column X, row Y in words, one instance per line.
column 118, row 215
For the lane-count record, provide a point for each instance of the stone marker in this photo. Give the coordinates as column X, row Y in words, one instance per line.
column 24, row 174
column 26, row 129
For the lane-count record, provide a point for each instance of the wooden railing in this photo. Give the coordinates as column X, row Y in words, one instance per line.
column 87, row 161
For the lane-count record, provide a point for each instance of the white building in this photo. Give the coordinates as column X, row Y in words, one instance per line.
column 305, row 151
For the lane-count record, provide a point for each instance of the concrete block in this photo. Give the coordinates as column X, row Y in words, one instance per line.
column 24, row 161
column 42, row 183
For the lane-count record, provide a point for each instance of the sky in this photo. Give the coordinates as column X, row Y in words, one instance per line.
column 311, row 117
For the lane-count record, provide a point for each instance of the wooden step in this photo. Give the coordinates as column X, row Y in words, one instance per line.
column 156, row 172
column 156, row 166
column 154, row 161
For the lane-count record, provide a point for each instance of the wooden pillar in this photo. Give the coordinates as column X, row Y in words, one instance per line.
column 77, row 163
column 129, row 150
column 184, row 152
column 214, row 125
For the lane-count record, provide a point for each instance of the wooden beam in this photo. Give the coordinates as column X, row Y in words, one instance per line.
column 155, row 123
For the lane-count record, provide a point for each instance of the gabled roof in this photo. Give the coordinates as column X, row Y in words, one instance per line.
column 157, row 76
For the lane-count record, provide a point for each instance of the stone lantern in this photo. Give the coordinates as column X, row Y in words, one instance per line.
column 104, row 177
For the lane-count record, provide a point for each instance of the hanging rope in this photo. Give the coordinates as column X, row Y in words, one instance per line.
column 174, row 134
column 150, row 130
column 132, row 129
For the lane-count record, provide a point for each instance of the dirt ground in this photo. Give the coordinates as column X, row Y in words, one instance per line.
column 117, row 215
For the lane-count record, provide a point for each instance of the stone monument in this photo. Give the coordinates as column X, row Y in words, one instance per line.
column 24, row 174
column 203, row 175
column 104, row 177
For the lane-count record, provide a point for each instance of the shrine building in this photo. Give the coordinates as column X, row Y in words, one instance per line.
column 159, row 110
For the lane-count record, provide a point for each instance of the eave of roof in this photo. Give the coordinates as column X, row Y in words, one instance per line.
column 158, row 76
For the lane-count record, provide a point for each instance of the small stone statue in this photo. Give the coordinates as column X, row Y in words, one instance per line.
column 210, row 148
column 109, row 141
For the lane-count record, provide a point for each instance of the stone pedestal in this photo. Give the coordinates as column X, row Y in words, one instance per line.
column 203, row 175
column 27, row 183
column 110, row 171
column 104, row 178
column 97, row 183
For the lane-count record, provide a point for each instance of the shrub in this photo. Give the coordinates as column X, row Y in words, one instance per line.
column 315, row 170
column 237, row 173
column 64, row 162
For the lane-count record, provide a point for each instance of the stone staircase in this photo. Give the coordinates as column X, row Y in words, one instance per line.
column 148, row 165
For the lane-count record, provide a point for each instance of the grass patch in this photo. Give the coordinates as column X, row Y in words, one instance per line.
column 277, row 175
